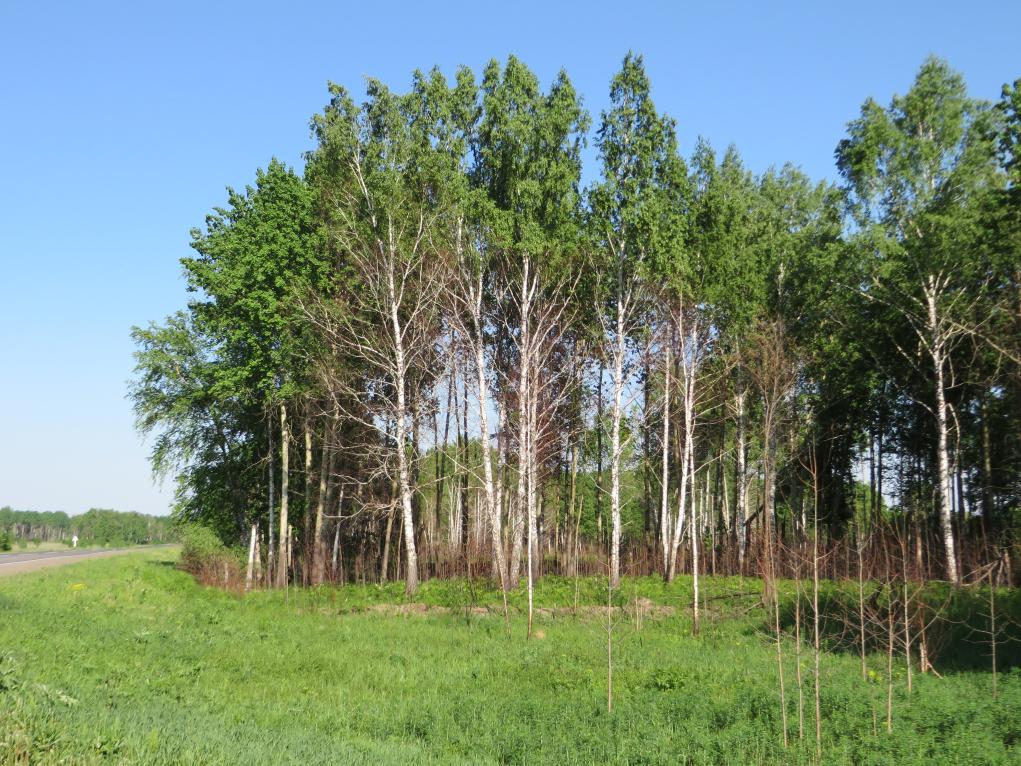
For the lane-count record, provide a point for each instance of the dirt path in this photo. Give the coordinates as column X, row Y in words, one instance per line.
column 16, row 563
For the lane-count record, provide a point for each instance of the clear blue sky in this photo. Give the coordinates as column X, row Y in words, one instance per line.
column 121, row 124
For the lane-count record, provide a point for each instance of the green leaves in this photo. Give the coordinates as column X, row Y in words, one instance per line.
column 528, row 161
column 638, row 208
column 250, row 258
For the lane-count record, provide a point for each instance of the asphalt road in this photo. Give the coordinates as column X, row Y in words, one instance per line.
column 15, row 563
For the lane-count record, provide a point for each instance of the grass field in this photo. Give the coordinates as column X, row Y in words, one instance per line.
column 127, row 660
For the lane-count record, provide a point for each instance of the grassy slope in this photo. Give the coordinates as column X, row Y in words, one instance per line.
column 127, row 660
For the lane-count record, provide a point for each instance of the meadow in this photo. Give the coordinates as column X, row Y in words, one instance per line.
column 128, row 660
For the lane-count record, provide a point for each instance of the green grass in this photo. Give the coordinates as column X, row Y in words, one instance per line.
column 127, row 660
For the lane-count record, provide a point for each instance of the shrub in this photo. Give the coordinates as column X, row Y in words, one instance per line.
column 5, row 541
column 205, row 556
column 199, row 545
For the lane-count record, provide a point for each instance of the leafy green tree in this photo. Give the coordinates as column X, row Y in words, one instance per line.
column 636, row 214
column 528, row 164
column 390, row 170
column 914, row 171
column 184, row 395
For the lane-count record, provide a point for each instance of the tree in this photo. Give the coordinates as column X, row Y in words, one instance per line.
column 528, row 165
column 388, row 182
column 913, row 172
column 184, row 396
column 251, row 256
column 630, row 211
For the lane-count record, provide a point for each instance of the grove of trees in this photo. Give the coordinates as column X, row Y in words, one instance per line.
column 434, row 351
column 99, row 526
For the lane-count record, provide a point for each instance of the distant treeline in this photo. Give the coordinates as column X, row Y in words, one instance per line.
column 100, row 526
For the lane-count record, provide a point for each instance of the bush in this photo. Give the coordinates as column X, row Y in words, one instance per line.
column 199, row 545
column 205, row 556
column 5, row 541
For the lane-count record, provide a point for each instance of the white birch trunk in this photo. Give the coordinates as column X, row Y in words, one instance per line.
column 318, row 552
column 615, row 447
column 489, row 488
column 664, row 511
column 689, row 363
column 285, row 440
column 249, row 573
column 521, row 505
column 741, row 485
column 403, row 470
column 694, row 550
column 937, row 352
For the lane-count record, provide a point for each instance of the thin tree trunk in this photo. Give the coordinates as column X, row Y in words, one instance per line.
column 336, row 533
column 741, row 482
column 249, row 573
column 646, row 449
column 943, row 449
column 272, row 500
column 664, row 510
column 694, row 556
column 688, row 370
column 615, row 447
column 403, row 469
column 307, row 525
column 492, row 500
column 599, row 454
column 521, row 520
column 861, row 607
column 285, row 440
column 815, row 603
column 325, row 468
column 258, row 558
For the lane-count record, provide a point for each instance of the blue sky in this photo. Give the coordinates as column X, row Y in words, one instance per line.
column 121, row 124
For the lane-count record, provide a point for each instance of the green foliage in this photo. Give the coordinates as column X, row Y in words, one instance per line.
column 107, row 527
column 200, row 547
column 5, row 541
column 249, row 259
column 638, row 208
column 486, row 172
column 97, row 526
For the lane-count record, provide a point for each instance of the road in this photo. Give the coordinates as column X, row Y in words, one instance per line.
column 15, row 563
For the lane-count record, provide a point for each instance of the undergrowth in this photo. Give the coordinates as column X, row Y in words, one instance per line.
column 129, row 660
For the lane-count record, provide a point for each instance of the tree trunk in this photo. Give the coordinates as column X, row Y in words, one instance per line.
column 285, row 440
column 401, row 434
column 937, row 354
column 688, row 373
column 307, row 548
column 615, row 447
column 943, row 457
column 741, row 482
column 492, row 503
column 272, row 499
column 249, row 573
column 325, row 468
column 664, row 509
column 522, row 517
column 694, row 556
column 336, row 534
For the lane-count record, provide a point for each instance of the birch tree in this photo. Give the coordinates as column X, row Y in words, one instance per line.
column 911, row 171
column 528, row 166
column 638, row 149
column 385, row 181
